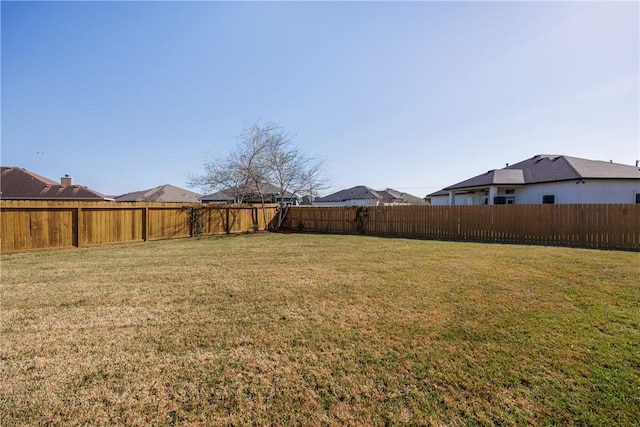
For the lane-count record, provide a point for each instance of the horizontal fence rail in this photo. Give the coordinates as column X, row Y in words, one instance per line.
column 586, row 225
column 31, row 225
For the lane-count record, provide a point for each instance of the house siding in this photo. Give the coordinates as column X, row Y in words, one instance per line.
column 591, row 191
column 596, row 191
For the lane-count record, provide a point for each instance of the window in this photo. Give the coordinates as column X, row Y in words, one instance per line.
column 499, row 200
column 637, row 197
column 548, row 199
column 510, row 191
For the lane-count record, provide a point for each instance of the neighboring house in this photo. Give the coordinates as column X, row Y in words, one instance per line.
column 21, row 184
column 163, row 193
column 547, row 179
column 364, row 196
column 306, row 200
column 270, row 192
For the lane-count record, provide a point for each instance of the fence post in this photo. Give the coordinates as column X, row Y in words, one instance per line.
column 79, row 226
column 145, row 224
column 255, row 217
column 226, row 225
column 582, row 238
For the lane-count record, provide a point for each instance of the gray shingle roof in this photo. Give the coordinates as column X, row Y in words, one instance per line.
column 362, row 192
column 405, row 197
column 228, row 195
column 359, row 192
column 223, row 195
column 492, row 177
column 548, row 168
column 599, row 169
column 163, row 193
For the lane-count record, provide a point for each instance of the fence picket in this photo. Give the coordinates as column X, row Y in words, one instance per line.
column 594, row 226
column 31, row 225
column 34, row 225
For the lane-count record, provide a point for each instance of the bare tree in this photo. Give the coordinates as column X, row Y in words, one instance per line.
column 291, row 170
column 265, row 154
column 223, row 174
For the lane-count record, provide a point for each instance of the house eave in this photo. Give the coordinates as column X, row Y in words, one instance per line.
column 483, row 187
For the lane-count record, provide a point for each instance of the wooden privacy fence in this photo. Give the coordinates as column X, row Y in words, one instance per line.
column 28, row 225
column 591, row 226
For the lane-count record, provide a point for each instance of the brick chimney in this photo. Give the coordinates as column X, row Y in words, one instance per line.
column 66, row 180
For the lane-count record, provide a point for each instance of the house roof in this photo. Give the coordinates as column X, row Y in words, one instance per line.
column 362, row 192
column 547, row 168
column 354, row 193
column 492, row 177
column 228, row 195
column 223, row 195
column 404, row 197
column 19, row 183
column 163, row 193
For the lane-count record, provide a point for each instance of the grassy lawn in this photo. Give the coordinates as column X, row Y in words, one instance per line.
column 320, row 330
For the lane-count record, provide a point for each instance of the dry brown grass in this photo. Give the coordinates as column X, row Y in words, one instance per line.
column 320, row 330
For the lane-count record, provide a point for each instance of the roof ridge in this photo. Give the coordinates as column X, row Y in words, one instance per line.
column 566, row 159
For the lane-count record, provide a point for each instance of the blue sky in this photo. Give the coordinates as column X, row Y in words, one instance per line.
column 126, row 96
